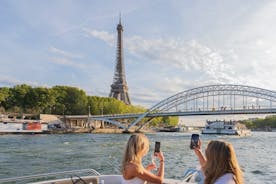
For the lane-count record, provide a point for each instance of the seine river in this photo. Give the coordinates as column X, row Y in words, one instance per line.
column 33, row 154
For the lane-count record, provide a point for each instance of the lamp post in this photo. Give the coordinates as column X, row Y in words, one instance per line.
column 102, row 110
column 88, row 119
column 64, row 117
column 102, row 122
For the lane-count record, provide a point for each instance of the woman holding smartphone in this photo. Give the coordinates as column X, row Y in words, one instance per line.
column 133, row 170
column 220, row 165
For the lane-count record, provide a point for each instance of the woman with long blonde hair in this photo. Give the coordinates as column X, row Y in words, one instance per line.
column 133, row 170
column 220, row 165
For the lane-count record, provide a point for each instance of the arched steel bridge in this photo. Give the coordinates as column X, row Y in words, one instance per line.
column 207, row 100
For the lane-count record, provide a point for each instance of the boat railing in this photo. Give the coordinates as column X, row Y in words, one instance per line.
column 193, row 176
column 37, row 176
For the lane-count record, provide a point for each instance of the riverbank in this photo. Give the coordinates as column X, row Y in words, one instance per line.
column 97, row 131
column 119, row 131
column 81, row 131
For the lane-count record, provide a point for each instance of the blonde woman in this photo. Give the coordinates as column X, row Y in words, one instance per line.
column 133, row 170
column 220, row 165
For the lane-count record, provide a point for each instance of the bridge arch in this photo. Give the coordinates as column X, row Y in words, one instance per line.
column 214, row 97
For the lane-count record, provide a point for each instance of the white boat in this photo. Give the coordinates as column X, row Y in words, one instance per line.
column 8, row 125
column 169, row 129
column 226, row 128
column 91, row 176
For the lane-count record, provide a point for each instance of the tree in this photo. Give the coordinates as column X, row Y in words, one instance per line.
column 4, row 94
column 70, row 100
column 269, row 121
column 60, row 100
column 170, row 121
column 40, row 99
column 17, row 96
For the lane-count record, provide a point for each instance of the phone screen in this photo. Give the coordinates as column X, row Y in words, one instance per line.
column 194, row 141
column 157, row 147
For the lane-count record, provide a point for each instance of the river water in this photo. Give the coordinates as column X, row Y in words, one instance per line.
column 34, row 154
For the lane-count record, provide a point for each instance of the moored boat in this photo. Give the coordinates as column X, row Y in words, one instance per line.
column 23, row 126
column 226, row 128
column 169, row 129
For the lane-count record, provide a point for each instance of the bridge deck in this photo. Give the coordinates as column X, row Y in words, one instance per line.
column 180, row 113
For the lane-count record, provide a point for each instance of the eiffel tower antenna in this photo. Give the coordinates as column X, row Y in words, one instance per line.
column 119, row 88
column 120, row 18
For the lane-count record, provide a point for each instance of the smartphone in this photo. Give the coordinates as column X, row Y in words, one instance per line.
column 194, row 141
column 157, row 147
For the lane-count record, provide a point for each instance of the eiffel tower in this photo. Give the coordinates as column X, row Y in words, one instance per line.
column 119, row 89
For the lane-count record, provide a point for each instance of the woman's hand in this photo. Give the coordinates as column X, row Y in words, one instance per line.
column 199, row 144
column 197, row 149
column 151, row 166
column 160, row 156
column 199, row 154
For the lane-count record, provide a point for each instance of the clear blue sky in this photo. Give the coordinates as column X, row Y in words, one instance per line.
column 170, row 46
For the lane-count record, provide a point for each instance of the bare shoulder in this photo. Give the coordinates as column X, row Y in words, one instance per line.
column 131, row 170
column 132, row 166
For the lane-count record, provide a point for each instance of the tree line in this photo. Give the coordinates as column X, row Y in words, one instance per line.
column 65, row 100
column 268, row 121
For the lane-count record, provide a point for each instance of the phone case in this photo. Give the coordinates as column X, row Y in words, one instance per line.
column 157, row 147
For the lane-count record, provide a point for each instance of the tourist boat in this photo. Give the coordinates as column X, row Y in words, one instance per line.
column 226, row 128
column 169, row 129
column 9, row 125
column 91, row 176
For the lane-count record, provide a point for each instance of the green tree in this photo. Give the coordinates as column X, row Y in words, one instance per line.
column 60, row 100
column 170, row 121
column 269, row 121
column 4, row 94
column 93, row 102
column 39, row 99
column 70, row 100
column 17, row 96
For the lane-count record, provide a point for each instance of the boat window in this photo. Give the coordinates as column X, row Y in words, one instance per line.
column 5, row 123
column 230, row 128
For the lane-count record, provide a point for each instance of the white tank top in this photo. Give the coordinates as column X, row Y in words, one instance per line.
column 225, row 179
column 134, row 180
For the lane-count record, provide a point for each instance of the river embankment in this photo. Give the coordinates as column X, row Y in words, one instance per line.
column 96, row 131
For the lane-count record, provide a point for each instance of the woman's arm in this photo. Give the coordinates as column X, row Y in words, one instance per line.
column 150, row 167
column 148, row 176
column 142, row 173
column 161, row 164
column 199, row 154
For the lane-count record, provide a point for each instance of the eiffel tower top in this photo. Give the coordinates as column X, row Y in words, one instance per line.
column 119, row 88
column 119, row 26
